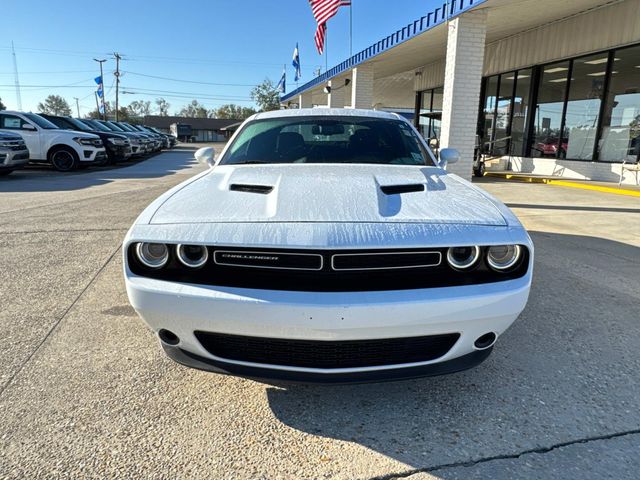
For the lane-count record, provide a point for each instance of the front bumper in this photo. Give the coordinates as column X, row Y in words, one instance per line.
column 12, row 159
column 92, row 154
column 471, row 311
column 119, row 152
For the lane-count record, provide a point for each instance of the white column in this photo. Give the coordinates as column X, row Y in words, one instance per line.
column 305, row 100
column 362, row 87
column 336, row 97
column 463, row 73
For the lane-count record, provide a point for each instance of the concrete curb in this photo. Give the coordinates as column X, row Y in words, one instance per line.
column 564, row 183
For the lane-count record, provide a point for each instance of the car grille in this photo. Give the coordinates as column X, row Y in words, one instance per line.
column 327, row 354
column 326, row 270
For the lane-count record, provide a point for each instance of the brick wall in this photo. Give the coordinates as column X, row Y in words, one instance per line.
column 463, row 72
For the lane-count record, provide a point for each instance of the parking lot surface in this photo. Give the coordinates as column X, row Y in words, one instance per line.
column 85, row 390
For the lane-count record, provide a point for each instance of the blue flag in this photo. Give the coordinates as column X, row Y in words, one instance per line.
column 296, row 64
column 100, row 91
column 98, row 79
column 282, row 84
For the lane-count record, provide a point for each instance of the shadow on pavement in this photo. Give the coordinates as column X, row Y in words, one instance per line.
column 568, row 369
column 45, row 179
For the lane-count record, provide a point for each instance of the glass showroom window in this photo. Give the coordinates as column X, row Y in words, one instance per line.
column 489, row 113
column 547, row 123
column 583, row 106
column 430, row 116
column 520, row 110
column 503, row 114
column 620, row 139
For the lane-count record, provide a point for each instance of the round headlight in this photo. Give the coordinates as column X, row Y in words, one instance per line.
column 503, row 257
column 463, row 258
column 153, row 255
column 193, row 256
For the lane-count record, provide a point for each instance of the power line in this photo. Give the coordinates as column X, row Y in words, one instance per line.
column 159, row 92
column 191, row 81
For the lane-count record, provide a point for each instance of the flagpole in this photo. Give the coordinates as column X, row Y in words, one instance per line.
column 351, row 28
column 326, row 61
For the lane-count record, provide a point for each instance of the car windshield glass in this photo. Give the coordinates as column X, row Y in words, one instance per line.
column 78, row 124
column 114, row 127
column 126, row 127
column 41, row 122
column 95, row 125
column 327, row 139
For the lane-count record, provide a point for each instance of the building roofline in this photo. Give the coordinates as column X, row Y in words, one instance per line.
column 431, row 20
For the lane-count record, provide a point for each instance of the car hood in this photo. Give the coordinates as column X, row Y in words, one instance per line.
column 328, row 193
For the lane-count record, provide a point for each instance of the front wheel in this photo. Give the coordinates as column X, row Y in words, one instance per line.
column 63, row 159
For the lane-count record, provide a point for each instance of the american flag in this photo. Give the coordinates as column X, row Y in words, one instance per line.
column 323, row 10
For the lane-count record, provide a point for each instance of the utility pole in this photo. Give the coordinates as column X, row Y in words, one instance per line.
column 117, row 74
column 77, row 106
column 97, row 105
column 104, row 108
column 17, row 81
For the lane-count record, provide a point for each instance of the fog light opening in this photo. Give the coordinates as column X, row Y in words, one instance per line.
column 168, row 337
column 485, row 341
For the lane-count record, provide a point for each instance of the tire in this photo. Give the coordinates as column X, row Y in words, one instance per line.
column 63, row 159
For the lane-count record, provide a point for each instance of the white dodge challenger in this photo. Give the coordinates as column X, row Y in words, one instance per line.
column 327, row 245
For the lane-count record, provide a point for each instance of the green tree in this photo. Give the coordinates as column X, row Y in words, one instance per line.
column 266, row 96
column 2, row 106
column 139, row 108
column 163, row 107
column 123, row 113
column 194, row 110
column 55, row 105
column 232, row 111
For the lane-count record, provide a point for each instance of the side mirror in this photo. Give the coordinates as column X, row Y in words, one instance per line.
column 447, row 156
column 28, row 126
column 206, row 155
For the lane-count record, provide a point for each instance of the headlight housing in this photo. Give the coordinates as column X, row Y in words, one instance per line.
column 463, row 258
column 503, row 257
column 89, row 142
column 193, row 256
column 152, row 255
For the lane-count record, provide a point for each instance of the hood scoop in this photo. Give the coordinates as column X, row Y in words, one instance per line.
column 396, row 189
column 244, row 187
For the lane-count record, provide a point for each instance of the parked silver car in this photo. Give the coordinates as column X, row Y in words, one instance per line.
column 13, row 152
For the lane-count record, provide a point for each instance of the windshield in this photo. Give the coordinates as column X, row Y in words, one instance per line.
column 78, row 124
column 113, row 126
column 126, row 127
column 95, row 125
column 41, row 122
column 327, row 139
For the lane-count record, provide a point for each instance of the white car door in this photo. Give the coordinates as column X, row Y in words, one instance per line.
column 28, row 131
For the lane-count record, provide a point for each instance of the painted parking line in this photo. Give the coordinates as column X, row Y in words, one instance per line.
column 565, row 183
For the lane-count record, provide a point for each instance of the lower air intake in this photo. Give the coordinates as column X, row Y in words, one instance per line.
column 327, row 354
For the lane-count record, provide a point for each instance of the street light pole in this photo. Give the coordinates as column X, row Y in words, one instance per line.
column 104, row 108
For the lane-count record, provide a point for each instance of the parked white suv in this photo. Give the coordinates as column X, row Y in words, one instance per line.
column 64, row 149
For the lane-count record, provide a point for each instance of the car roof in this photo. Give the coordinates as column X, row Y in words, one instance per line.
column 319, row 111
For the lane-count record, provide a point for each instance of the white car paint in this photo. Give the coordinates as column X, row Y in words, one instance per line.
column 40, row 140
column 322, row 206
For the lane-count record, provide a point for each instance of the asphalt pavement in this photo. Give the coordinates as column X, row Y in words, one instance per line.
column 86, row 392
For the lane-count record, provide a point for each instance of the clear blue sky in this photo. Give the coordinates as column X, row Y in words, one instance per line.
column 217, row 41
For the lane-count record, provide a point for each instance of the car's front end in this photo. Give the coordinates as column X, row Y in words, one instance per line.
column 13, row 152
column 328, row 246
column 257, row 281
column 89, row 147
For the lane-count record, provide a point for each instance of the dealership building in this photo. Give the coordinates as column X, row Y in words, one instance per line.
column 549, row 87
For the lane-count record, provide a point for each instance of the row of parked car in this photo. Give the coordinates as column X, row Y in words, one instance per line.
column 69, row 143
